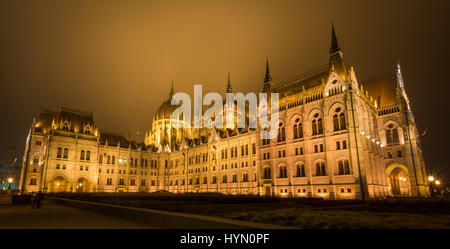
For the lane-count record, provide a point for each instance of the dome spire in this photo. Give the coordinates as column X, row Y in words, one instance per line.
column 268, row 77
column 172, row 91
column 229, row 88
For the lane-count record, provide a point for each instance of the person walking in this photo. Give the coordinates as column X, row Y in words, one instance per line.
column 37, row 200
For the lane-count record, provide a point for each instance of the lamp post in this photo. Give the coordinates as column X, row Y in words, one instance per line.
column 10, row 180
column 434, row 183
column 430, row 183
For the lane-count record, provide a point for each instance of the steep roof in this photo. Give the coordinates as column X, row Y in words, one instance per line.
column 383, row 89
column 311, row 81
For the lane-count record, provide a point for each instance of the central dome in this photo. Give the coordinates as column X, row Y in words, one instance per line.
column 165, row 110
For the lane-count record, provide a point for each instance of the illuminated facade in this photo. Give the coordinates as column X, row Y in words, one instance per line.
column 339, row 139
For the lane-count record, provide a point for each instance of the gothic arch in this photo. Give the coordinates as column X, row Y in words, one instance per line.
column 398, row 180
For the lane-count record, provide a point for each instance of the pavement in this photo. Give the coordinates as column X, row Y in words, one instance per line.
column 71, row 214
column 56, row 216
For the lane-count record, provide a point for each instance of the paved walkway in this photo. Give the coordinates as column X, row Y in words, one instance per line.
column 71, row 214
column 56, row 216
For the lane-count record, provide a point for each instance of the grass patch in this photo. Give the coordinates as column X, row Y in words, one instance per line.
column 406, row 213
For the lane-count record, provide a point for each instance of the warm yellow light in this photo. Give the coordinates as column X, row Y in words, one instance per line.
column 57, row 184
column 430, row 178
column 10, row 180
column 81, row 184
column 437, row 182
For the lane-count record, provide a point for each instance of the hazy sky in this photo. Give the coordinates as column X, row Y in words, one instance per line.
column 117, row 58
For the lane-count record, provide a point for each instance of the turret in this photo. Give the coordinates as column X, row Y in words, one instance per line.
column 268, row 85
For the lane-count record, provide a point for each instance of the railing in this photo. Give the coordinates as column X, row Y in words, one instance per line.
column 389, row 110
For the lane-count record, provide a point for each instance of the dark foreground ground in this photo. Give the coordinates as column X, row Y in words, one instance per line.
column 69, row 214
column 301, row 213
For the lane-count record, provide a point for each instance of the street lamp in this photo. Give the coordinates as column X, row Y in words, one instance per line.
column 437, row 182
column 430, row 183
column 10, row 180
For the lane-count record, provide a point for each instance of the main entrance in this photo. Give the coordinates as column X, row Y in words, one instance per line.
column 81, row 185
column 398, row 179
column 59, row 184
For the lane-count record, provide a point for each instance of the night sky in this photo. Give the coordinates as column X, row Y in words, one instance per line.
column 117, row 58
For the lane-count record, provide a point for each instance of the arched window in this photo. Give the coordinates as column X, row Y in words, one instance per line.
column 33, row 181
column 321, row 169
column 113, row 160
column 317, row 125
column 267, row 173
column 82, row 155
column 389, row 136
column 298, row 129
column 283, row 172
column 131, row 161
column 59, row 153
column 108, row 159
column 100, row 159
column 66, row 153
column 395, row 135
column 234, row 178
column 342, row 121
column 392, row 134
column 335, row 122
column 301, row 170
column 88, row 155
column 339, row 120
column 281, row 133
column 344, row 167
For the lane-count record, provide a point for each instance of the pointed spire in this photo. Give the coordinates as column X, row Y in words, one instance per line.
column 268, row 77
column 229, row 88
column 172, row 92
column 334, row 42
column 400, row 77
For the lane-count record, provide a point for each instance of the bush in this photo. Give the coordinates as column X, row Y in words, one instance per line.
column 21, row 199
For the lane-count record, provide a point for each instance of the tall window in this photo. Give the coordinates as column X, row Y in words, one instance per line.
column 66, row 153
column 113, row 160
column 267, row 173
column 82, row 155
column 283, row 172
column 59, row 153
column 339, row 120
column 317, row 125
column 281, row 134
column 321, row 169
column 301, row 170
column 234, row 178
column 391, row 134
column 298, row 129
column 100, row 159
column 33, row 181
column 253, row 148
column 344, row 167
column 245, row 177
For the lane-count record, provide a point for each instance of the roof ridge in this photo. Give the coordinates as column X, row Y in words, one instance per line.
column 73, row 110
column 305, row 75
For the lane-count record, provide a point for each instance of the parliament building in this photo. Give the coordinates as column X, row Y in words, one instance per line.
column 338, row 138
